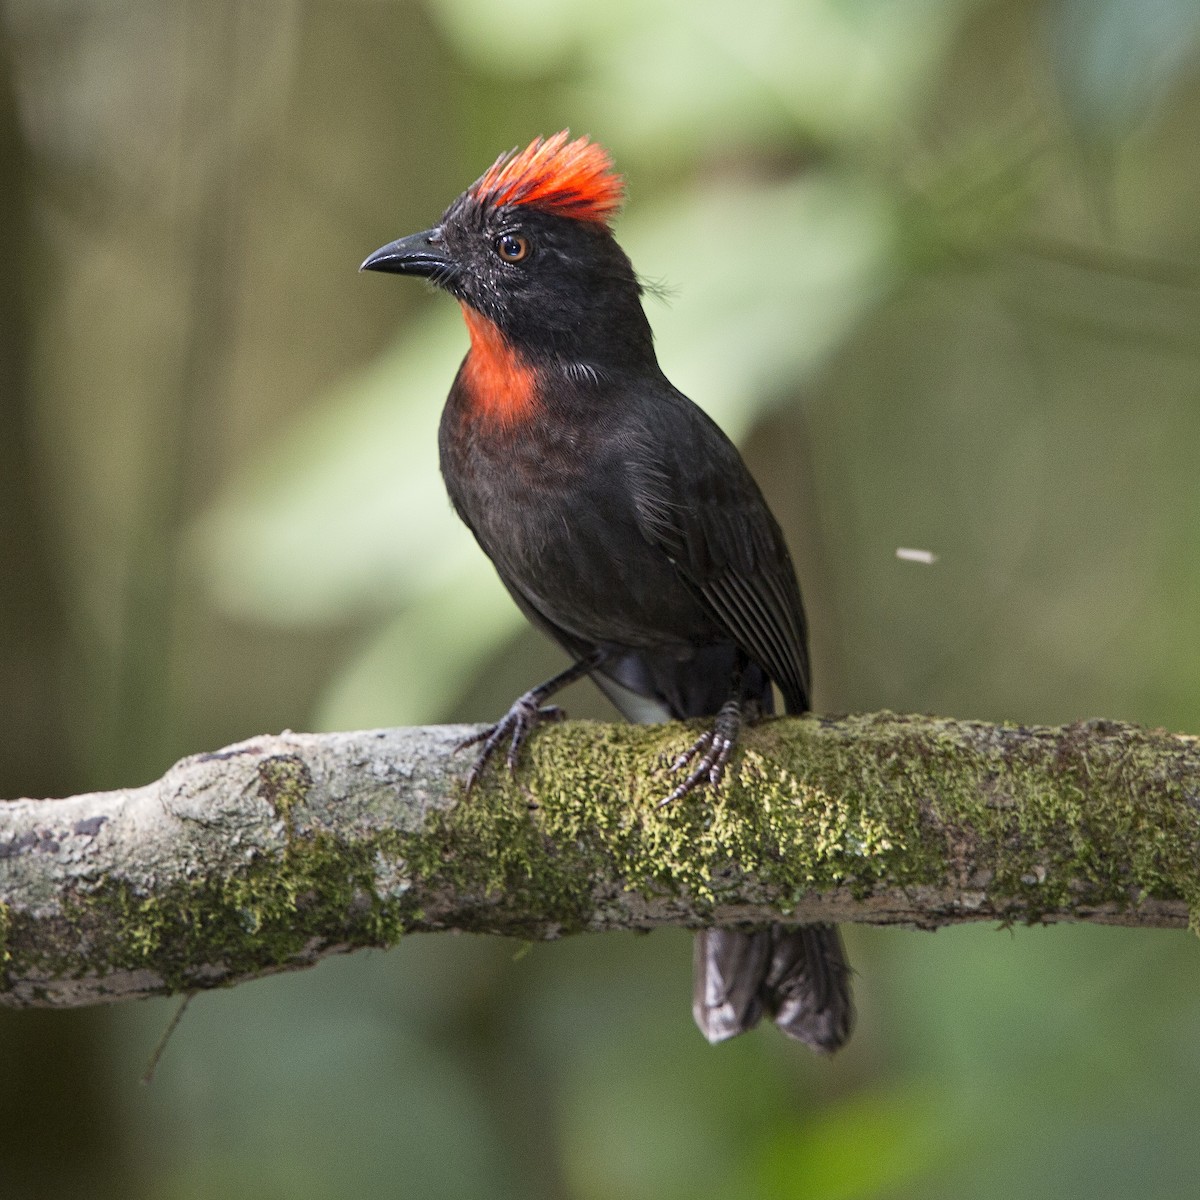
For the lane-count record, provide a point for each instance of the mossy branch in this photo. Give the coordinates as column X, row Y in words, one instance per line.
column 272, row 853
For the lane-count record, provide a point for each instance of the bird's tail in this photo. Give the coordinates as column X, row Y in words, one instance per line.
column 796, row 974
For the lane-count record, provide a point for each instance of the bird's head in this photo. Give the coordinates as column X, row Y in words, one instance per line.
column 528, row 247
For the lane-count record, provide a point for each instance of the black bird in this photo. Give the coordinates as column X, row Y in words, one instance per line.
column 621, row 519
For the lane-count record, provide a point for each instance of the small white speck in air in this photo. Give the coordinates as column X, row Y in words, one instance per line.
column 905, row 554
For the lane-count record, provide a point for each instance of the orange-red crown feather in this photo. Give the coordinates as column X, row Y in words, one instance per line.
column 570, row 178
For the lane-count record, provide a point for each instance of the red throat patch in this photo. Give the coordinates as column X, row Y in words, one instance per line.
column 572, row 179
column 499, row 382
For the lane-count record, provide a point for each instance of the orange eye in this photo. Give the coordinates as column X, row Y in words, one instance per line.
column 512, row 247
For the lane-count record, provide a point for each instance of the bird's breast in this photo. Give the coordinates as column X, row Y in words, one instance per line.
column 551, row 505
column 499, row 385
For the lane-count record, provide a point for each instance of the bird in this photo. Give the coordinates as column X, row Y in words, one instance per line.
column 622, row 521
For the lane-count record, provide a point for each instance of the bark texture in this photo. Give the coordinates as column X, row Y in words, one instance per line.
column 272, row 853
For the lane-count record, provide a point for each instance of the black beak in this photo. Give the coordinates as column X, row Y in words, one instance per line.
column 417, row 254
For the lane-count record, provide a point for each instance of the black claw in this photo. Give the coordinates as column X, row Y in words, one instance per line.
column 712, row 749
column 515, row 726
column 699, row 745
column 474, row 738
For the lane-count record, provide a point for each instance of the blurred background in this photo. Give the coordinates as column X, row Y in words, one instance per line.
column 935, row 264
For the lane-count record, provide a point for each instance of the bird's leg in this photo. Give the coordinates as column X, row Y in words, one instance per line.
column 525, row 715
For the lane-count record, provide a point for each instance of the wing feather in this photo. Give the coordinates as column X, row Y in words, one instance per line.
column 697, row 501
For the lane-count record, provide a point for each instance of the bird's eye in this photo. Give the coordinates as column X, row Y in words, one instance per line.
column 512, row 247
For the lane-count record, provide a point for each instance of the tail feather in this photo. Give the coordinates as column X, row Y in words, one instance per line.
column 727, row 970
column 807, row 986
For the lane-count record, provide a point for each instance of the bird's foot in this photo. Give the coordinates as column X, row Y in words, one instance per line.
column 525, row 715
column 709, row 753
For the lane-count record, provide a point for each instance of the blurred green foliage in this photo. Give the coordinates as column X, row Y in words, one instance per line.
column 934, row 263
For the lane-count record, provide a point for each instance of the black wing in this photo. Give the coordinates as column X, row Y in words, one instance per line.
column 699, row 503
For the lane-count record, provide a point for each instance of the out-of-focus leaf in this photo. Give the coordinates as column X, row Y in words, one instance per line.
column 412, row 671
column 770, row 279
column 673, row 73
column 1115, row 60
column 906, row 1130
column 346, row 511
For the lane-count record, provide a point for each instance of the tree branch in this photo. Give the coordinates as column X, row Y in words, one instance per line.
column 273, row 853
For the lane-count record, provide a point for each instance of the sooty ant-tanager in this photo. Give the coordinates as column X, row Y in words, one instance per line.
column 621, row 519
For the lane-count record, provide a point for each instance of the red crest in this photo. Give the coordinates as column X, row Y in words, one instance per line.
column 569, row 178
